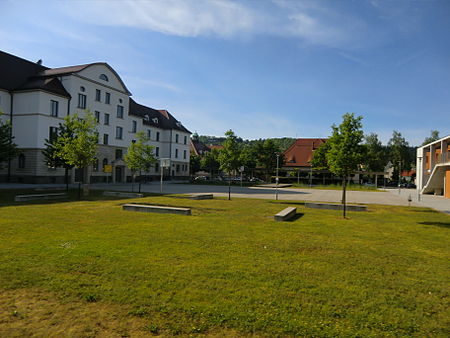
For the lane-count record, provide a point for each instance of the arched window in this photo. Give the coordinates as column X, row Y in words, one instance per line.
column 21, row 161
column 103, row 77
column 95, row 165
column 82, row 89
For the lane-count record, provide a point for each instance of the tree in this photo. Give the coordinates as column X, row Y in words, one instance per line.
column 433, row 137
column 375, row 157
column 267, row 156
column 8, row 149
column 319, row 160
column 399, row 153
column 210, row 161
column 51, row 158
column 140, row 155
column 345, row 150
column 77, row 143
column 194, row 163
column 229, row 156
column 248, row 157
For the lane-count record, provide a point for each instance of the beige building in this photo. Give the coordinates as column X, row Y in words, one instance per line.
column 433, row 168
column 36, row 99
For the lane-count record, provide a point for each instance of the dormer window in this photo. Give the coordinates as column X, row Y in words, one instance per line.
column 178, row 124
column 103, row 77
column 82, row 89
column 155, row 120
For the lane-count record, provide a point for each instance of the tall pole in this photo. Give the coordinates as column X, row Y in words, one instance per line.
column 419, row 181
column 276, row 189
column 310, row 176
column 399, row 175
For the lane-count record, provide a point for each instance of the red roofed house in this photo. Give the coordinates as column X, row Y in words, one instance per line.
column 300, row 153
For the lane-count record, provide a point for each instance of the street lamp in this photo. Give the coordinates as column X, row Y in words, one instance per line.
column 419, row 181
column 277, row 179
column 399, row 175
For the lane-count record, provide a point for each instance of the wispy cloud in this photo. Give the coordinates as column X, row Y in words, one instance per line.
column 152, row 83
column 221, row 18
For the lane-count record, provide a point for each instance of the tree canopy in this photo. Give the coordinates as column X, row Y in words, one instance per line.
column 140, row 155
column 434, row 136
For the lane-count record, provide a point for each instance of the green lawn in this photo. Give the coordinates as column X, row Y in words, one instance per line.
column 229, row 269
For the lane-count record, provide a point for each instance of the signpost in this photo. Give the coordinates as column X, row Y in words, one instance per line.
column 164, row 163
column 241, row 169
column 107, row 168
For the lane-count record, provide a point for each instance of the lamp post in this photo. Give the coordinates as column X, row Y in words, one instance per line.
column 277, row 179
column 399, row 175
column 419, row 181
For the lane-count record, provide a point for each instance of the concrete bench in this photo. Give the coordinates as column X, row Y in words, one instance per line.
column 123, row 194
column 285, row 214
column 22, row 198
column 335, row 206
column 50, row 189
column 157, row 208
column 201, row 196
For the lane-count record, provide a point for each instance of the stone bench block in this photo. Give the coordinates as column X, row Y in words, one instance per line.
column 285, row 214
column 157, row 208
column 349, row 207
column 22, row 198
column 201, row 196
column 123, row 194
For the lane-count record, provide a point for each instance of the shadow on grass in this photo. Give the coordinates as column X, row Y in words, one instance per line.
column 286, row 202
column 296, row 217
column 438, row 224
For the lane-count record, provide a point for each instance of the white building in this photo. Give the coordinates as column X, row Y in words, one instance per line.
column 36, row 99
column 433, row 168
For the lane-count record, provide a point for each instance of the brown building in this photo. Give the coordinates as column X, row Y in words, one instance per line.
column 300, row 153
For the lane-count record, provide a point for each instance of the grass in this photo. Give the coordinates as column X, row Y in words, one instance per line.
column 227, row 270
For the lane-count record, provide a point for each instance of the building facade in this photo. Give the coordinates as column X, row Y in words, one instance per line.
column 433, row 168
column 36, row 99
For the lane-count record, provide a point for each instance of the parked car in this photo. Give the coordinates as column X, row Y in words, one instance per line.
column 201, row 178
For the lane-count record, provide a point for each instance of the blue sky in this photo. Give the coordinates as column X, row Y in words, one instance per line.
column 262, row 68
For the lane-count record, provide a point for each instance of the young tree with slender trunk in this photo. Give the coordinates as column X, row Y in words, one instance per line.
column 77, row 144
column 229, row 156
column 8, row 149
column 140, row 156
column 345, row 151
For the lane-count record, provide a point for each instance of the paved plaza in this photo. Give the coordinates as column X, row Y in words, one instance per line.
column 387, row 197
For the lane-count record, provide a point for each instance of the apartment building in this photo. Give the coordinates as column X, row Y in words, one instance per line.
column 433, row 168
column 36, row 99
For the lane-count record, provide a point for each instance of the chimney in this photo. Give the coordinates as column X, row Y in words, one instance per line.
column 39, row 62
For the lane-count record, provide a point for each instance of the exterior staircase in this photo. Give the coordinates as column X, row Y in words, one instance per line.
column 436, row 179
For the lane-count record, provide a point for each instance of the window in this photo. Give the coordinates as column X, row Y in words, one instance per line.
column 176, row 153
column 184, row 154
column 134, row 126
column 98, row 136
column 106, row 121
column 103, row 77
column 157, row 136
column 95, row 165
column 178, row 168
column 176, row 138
column 119, row 133
column 21, row 161
column 120, row 112
column 119, row 154
column 52, row 134
column 82, row 89
column 156, row 167
column 149, row 134
column 98, row 95
column 107, row 98
column 97, row 116
column 185, row 140
column 157, row 151
column 54, row 108
column 120, row 100
column 105, row 138
column 105, row 163
column 81, row 101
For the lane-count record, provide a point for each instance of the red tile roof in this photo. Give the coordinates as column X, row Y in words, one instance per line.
column 300, row 153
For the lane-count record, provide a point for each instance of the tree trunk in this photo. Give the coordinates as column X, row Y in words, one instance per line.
column 229, row 186
column 140, row 180
column 132, row 182
column 344, row 188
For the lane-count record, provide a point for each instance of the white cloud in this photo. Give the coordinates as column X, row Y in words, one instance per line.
column 222, row 18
